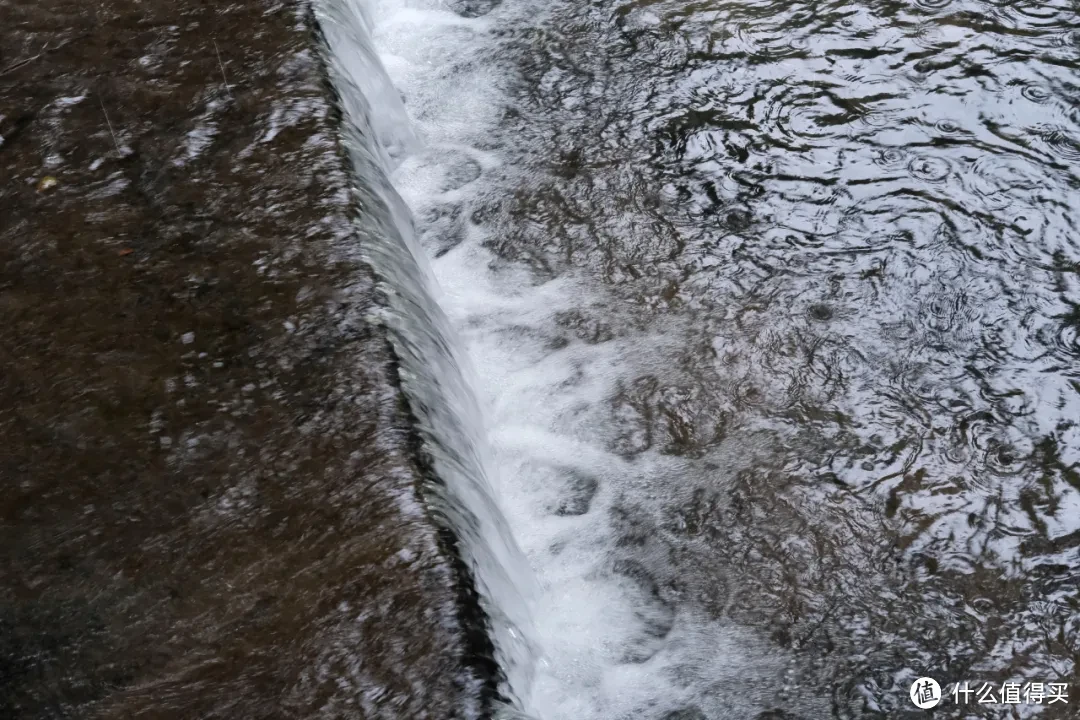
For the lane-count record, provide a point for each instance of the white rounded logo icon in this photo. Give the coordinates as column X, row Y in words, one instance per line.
column 925, row 693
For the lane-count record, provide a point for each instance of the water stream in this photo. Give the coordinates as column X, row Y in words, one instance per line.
column 434, row 375
column 771, row 310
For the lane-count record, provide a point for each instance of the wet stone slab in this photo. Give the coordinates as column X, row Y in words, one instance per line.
column 208, row 505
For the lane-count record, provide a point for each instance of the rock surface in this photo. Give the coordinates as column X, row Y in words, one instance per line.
column 209, row 507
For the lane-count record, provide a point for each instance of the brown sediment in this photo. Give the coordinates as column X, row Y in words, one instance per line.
column 209, row 500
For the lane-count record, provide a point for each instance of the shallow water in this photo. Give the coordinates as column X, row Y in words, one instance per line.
column 773, row 307
column 738, row 341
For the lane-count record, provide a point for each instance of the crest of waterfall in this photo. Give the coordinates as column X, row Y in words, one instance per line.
column 434, row 374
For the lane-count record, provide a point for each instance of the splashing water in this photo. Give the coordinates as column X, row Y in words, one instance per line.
column 773, row 310
column 433, row 374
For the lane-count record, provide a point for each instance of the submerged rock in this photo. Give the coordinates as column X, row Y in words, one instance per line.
column 209, row 504
column 578, row 494
column 474, row 8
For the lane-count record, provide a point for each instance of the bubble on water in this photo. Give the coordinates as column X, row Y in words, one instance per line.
column 1001, row 457
column 948, row 127
column 930, row 169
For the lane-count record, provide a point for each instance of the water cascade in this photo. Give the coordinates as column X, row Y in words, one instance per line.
column 434, row 375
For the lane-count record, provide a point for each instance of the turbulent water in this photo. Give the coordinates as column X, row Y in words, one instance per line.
column 773, row 315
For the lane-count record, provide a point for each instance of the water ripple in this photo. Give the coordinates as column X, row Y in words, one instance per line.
column 1036, row 93
column 929, row 168
column 860, row 272
column 933, row 4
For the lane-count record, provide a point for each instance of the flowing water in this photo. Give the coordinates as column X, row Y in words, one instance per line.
column 772, row 311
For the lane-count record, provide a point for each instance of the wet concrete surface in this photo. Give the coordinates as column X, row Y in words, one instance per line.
column 208, row 505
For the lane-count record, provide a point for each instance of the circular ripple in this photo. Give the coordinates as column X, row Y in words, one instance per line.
column 877, row 118
column 1036, row 93
column 1001, row 457
column 1070, row 39
column 929, row 169
column 933, row 4
column 461, row 174
column 1001, row 181
column 1064, row 145
column 947, row 127
column 950, row 312
column 1040, row 13
column 1068, row 340
column 761, row 46
column 889, row 157
column 928, row 34
column 790, row 114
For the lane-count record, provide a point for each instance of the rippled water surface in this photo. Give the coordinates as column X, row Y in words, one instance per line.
column 776, row 309
column 733, row 348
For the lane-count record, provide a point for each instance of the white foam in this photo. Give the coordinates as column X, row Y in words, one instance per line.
column 543, row 406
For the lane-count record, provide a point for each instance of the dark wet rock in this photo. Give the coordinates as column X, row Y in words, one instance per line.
column 586, row 328
column 460, row 173
column 687, row 713
column 634, row 527
column 634, row 570
column 442, row 229
column 474, row 8
column 677, row 418
column 820, row 312
column 485, row 212
column 578, row 494
column 656, row 614
column 208, row 506
column 633, row 413
column 559, row 342
column 55, row 654
column 776, row 714
column 738, row 219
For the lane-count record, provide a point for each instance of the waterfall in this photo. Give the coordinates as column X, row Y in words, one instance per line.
column 434, row 375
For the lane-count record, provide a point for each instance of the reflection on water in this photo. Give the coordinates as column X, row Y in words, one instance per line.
column 855, row 225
